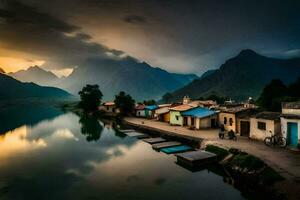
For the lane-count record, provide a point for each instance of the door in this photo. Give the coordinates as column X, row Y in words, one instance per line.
column 185, row 119
column 245, row 128
column 213, row 123
column 292, row 134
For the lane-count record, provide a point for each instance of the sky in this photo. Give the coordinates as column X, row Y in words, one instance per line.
column 183, row 36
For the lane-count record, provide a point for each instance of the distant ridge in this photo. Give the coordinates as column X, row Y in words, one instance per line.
column 242, row 76
column 36, row 75
column 11, row 88
column 2, row 71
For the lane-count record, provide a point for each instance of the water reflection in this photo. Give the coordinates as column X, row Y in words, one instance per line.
column 90, row 127
column 54, row 159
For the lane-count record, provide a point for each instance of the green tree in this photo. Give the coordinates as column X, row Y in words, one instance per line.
column 167, row 98
column 272, row 95
column 149, row 102
column 294, row 89
column 90, row 97
column 125, row 103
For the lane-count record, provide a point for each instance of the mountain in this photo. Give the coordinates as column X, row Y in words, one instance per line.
column 11, row 88
column 207, row 73
column 242, row 76
column 2, row 71
column 37, row 75
column 139, row 79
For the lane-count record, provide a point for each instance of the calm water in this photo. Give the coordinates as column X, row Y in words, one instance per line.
column 68, row 157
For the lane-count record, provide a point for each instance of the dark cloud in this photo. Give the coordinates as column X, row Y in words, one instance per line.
column 178, row 35
column 135, row 19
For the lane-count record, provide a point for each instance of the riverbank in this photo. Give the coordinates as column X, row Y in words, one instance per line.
column 283, row 161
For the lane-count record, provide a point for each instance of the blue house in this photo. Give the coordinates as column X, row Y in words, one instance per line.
column 200, row 118
column 150, row 111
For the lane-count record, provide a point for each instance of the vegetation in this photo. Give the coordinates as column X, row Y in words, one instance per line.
column 149, row 102
column 167, row 98
column 90, row 127
column 214, row 97
column 220, row 152
column 277, row 92
column 125, row 103
column 90, row 98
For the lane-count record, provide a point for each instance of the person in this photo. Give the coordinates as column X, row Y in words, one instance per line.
column 231, row 135
column 222, row 132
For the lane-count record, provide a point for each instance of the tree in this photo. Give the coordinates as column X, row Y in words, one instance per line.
column 149, row 102
column 125, row 103
column 90, row 127
column 167, row 98
column 90, row 97
column 218, row 99
column 294, row 89
column 272, row 96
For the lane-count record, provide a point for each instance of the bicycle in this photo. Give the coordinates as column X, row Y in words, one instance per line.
column 275, row 140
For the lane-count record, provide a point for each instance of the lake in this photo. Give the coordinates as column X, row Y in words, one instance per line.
column 48, row 154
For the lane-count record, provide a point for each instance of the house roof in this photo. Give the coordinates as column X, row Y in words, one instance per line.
column 235, row 110
column 140, row 107
column 291, row 105
column 164, row 105
column 163, row 110
column 152, row 107
column 199, row 112
column 290, row 116
column 184, row 107
column 268, row 115
column 109, row 103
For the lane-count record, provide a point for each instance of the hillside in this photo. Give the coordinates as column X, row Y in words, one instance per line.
column 37, row 75
column 139, row 79
column 242, row 76
column 11, row 88
column 2, row 71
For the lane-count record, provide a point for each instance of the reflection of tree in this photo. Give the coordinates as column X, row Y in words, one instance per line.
column 90, row 127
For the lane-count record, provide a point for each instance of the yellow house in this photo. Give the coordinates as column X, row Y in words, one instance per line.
column 175, row 114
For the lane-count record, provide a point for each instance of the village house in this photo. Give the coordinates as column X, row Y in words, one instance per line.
column 140, row 110
column 200, row 118
column 150, row 111
column 265, row 124
column 109, row 107
column 234, row 118
column 290, row 123
column 162, row 114
column 175, row 114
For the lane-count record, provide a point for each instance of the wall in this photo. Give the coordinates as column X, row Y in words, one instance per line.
column 140, row 113
column 173, row 119
column 227, row 126
column 206, row 122
column 284, row 122
column 259, row 134
column 291, row 111
column 166, row 117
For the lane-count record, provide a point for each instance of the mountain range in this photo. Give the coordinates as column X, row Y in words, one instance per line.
column 37, row 75
column 2, row 71
column 241, row 77
column 11, row 88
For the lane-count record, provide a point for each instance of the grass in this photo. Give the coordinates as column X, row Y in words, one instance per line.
column 220, row 152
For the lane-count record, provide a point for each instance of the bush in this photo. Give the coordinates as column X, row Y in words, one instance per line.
column 250, row 162
column 220, row 152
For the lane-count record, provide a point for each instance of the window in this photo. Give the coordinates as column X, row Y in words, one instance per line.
column 261, row 125
column 230, row 121
column 225, row 120
column 177, row 117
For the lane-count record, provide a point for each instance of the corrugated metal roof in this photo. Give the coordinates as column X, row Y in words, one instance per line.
column 152, row 107
column 182, row 107
column 199, row 112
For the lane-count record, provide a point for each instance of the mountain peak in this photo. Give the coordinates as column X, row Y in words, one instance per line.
column 2, row 71
column 248, row 52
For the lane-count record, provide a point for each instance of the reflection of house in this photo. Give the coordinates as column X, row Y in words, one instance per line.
column 290, row 122
column 264, row 124
column 231, row 119
column 200, row 118
column 150, row 111
column 175, row 114
column 109, row 107
column 140, row 110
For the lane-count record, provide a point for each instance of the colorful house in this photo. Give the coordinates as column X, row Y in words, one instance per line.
column 175, row 114
column 150, row 111
column 290, row 123
column 200, row 118
column 230, row 119
column 109, row 107
column 265, row 124
column 162, row 114
column 140, row 110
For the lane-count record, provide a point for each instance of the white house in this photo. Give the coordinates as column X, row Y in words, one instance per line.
column 290, row 123
column 264, row 124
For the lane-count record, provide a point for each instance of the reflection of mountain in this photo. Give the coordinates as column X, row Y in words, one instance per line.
column 90, row 127
column 14, row 116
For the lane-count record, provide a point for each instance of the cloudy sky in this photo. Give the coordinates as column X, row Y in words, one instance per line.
column 179, row 36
